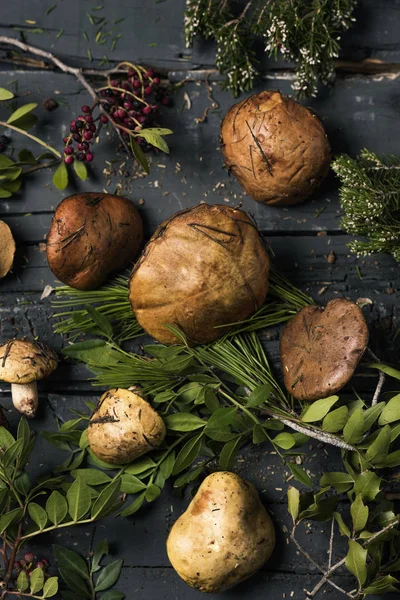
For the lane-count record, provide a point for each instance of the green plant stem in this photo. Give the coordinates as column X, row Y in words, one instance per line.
column 32, row 137
column 53, row 527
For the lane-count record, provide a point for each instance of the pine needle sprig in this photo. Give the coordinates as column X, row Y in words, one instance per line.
column 370, row 198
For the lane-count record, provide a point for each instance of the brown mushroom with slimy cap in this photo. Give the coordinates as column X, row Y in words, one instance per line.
column 123, row 427
column 321, row 348
column 93, row 235
column 7, row 249
column 22, row 363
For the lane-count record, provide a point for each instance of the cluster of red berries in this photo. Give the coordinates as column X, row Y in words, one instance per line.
column 129, row 104
column 27, row 564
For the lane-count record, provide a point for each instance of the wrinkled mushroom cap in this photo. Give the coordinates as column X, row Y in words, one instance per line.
column 91, row 236
column 23, row 361
column 123, row 427
column 275, row 147
column 321, row 347
column 204, row 268
column 7, row 249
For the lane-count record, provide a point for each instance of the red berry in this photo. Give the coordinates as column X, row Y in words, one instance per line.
column 17, row 565
column 29, row 557
column 45, row 562
column 86, row 109
column 120, row 113
column 114, row 83
column 89, row 157
column 149, row 73
column 66, row 140
column 131, row 72
column 127, row 105
column 112, row 100
column 68, row 150
column 83, row 146
column 92, row 127
column 148, row 90
column 72, row 124
column 88, row 135
column 137, row 83
column 125, row 85
column 103, row 93
column 104, row 119
column 89, row 119
column 156, row 81
column 146, row 110
column 142, row 119
column 166, row 101
column 77, row 137
column 139, row 140
column 81, row 156
column 40, row 565
column 69, row 160
column 22, row 562
column 73, row 129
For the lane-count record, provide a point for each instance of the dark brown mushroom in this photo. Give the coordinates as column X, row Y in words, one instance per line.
column 7, row 249
column 91, row 236
column 321, row 347
column 275, row 147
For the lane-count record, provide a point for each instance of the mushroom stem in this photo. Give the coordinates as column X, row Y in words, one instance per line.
column 25, row 398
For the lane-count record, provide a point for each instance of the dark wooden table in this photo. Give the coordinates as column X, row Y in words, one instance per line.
column 359, row 111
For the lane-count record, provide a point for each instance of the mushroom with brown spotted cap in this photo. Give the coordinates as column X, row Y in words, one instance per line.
column 7, row 249
column 321, row 347
column 123, row 427
column 22, row 363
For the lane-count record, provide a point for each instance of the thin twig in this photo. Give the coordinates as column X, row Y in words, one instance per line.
column 32, row 137
column 214, row 105
column 331, row 543
column 381, row 380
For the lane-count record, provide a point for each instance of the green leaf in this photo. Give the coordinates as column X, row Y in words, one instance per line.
column 80, row 169
column 258, row 396
column 100, row 320
column 379, row 448
column 222, row 417
column 56, row 507
column 50, row 588
column 134, row 507
column 152, row 493
column 340, row 481
column 188, row 477
column 12, row 453
column 359, row 513
column 317, row 410
column 11, row 517
column 300, row 474
column 91, row 476
column 139, row 155
column 5, row 94
column 335, row 420
column 100, row 551
column 167, row 465
column 36, row 580
column 392, row 460
column 154, row 137
column 79, row 499
column 386, row 369
column 293, row 495
column 21, row 111
column 356, row 562
column 228, row 453
column 368, row 485
column 354, row 428
column 37, row 514
column 320, row 510
column 71, row 561
column 106, row 500
column 284, row 440
column 113, row 595
column 131, row 484
column 344, row 530
column 6, row 439
column 11, row 174
column 23, row 484
column 22, row 582
column 23, row 431
column 371, row 414
column 75, row 583
column 140, row 466
column 183, row 422
column 26, row 122
column 188, row 453
column 60, row 177
column 109, row 576
column 382, row 585
column 25, row 156
column 259, row 435
column 4, row 193
column 220, row 435
column 391, row 412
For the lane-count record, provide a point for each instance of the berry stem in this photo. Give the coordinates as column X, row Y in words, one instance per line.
column 32, row 137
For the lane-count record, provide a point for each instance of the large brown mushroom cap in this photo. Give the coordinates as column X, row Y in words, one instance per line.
column 275, row 147
column 23, row 361
column 123, row 427
column 91, row 236
column 204, row 267
column 321, row 347
column 7, row 249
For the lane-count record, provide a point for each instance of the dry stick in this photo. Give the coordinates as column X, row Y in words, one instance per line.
column 331, row 543
column 381, row 379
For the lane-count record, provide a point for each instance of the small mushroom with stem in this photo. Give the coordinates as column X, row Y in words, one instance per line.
column 7, row 249
column 22, row 363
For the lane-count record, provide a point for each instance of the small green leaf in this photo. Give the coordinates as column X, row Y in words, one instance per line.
column 80, row 169
column 368, row 485
column 6, row 439
column 140, row 466
column 259, row 435
column 386, row 369
column 344, row 530
column 56, row 507
column 100, row 551
column 154, row 137
column 25, row 156
column 36, row 580
column 222, row 417
column 152, row 493
column 183, row 422
column 37, row 514
column 107, row 500
column 139, row 155
column 382, row 585
column 50, row 588
column 188, row 453
column 11, row 517
column 188, row 477
column 22, row 582
column 228, row 453
column 21, row 111
column 91, row 476
column 317, row 410
column 293, row 495
column 359, row 513
column 300, row 474
column 12, row 453
column 335, row 420
column 167, row 465
column 60, row 177
column 75, row 583
column 113, row 595
column 131, row 484
column 284, row 440
column 340, row 481
column 356, row 561
column 71, row 561
column 5, row 94
column 379, row 448
column 354, row 428
column 79, row 499
column 371, row 414
column 391, row 412
column 392, row 460
column 100, row 320
column 134, row 507
column 258, row 396
column 109, row 576
column 4, row 193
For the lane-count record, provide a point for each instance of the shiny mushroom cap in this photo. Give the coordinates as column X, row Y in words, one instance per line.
column 23, row 361
column 7, row 249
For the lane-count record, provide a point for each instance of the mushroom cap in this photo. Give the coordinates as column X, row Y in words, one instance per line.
column 275, row 147
column 321, row 347
column 24, row 361
column 7, row 249
column 123, row 427
column 91, row 236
